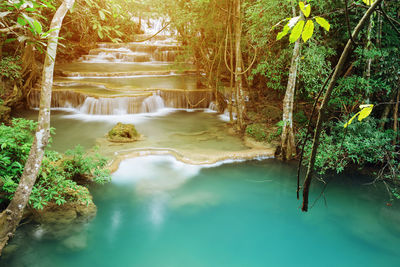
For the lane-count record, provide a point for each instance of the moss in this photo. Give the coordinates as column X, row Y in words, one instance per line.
column 122, row 133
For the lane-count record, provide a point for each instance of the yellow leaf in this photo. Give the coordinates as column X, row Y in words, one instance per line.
column 365, row 111
column 308, row 30
column 352, row 118
column 306, row 9
column 368, row 2
column 362, row 114
column 323, row 22
column 296, row 32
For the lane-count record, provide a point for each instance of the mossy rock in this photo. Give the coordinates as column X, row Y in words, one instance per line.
column 74, row 211
column 123, row 133
column 4, row 114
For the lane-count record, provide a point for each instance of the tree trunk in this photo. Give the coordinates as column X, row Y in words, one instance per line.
column 232, row 76
column 288, row 146
column 384, row 117
column 369, row 61
column 10, row 218
column 322, row 111
column 238, row 67
column 395, row 117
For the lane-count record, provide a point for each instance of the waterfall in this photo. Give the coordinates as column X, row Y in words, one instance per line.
column 152, row 104
column 112, row 106
column 133, row 52
column 112, row 65
column 82, row 103
column 213, row 106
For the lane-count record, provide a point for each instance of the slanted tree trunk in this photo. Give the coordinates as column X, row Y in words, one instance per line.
column 322, row 109
column 238, row 68
column 10, row 218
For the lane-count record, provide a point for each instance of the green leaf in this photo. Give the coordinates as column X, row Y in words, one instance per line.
column 21, row 21
column 48, row 4
column 306, row 9
column 10, row 40
column 323, row 22
column 296, row 32
column 308, row 30
column 37, row 26
column 102, row 15
column 283, row 32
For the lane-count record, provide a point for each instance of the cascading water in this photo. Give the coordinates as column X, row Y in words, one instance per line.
column 128, row 78
column 152, row 104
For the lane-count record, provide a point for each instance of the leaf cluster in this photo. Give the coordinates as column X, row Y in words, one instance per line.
column 55, row 182
column 10, row 67
column 361, row 144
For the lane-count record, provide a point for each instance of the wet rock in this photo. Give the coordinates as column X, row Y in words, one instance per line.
column 123, row 133
column 69, row 213
column 76, row 242
column 9, row 250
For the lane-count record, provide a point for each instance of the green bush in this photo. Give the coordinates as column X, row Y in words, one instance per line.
column 79, row 165
column 362, row 144
column 10, row 67
column 55, row 180
column 258, row 131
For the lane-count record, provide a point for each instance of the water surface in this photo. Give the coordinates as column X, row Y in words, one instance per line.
column 159, row 212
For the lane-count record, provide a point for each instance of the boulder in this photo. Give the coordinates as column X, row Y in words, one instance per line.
column 123, row 133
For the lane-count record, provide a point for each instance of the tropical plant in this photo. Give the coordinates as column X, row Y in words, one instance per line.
column 56, row 177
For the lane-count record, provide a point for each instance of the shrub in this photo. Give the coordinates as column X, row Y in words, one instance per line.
column 10, row 68
column 363, row 144
column 258, row 131
column 54, row 182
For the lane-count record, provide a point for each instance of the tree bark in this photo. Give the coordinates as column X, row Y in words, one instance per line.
column 369, row 61
column 322, row 109
column 384, row 116
column 10, row 218
column 395, row 117
column 288, row 146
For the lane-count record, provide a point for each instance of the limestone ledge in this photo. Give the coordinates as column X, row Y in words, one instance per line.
column 196, row 156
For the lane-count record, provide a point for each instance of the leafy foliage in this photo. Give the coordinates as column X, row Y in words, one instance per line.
column 258, row 131
column 10, row 68
column 55, row 181
column 300, row 27
column 361, row 144
column 79, row 164
column 24, row 18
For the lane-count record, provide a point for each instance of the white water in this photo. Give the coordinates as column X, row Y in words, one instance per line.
column 152, row 104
